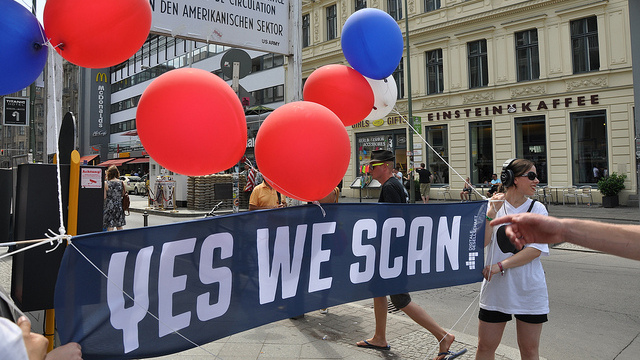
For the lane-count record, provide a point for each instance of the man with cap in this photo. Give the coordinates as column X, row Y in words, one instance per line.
column 392, row 191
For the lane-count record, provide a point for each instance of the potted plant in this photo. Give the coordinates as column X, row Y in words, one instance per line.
column 610, row 187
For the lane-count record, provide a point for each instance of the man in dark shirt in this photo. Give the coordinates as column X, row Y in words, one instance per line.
column 425, row 182
column 392, row 191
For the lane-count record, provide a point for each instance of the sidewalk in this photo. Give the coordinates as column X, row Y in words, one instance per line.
column 333, row 335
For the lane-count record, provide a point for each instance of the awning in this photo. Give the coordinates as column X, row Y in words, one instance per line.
column 88, row 158
column 144, row 160
column 116, row 162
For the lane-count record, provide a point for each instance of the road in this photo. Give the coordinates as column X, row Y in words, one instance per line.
column 595, row 310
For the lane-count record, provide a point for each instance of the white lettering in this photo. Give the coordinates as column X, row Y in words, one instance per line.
column 399, row 225
column 127, row 319
column 448, row 242
column 210, row 275
column 359, row 249
column 168, row 284
column 319, row 256
column 268, row 276
column 421, row 252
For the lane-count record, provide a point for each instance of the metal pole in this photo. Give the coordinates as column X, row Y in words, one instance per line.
column 412, row 191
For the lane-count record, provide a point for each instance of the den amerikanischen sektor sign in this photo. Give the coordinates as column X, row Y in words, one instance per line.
column 252, row 24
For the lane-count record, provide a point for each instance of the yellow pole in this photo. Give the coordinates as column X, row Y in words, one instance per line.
column 72, row 229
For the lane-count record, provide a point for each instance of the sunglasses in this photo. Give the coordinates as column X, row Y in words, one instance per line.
column 530, row 175
column 371, row 166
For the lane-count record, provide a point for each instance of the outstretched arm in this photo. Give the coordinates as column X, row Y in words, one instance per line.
column 620, row 240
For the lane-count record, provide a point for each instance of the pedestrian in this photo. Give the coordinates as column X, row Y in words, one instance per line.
column 425, row 179
column 113, row 194
column 392, row 191
column 514, row 281
column 264, row 196
column 495, row 185
column 466, row 190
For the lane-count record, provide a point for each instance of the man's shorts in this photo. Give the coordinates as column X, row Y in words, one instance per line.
column 500, row 317
column 425, row 189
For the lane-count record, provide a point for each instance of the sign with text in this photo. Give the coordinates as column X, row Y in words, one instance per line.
column 210, row 278
column 16, row 111
column 261, row 25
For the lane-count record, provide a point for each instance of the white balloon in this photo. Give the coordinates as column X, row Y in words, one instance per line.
column 385, row 94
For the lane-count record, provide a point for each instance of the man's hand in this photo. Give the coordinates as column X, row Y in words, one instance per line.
column 70, row 351
column 531, row 228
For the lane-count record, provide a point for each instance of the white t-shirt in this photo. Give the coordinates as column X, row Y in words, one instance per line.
column 522, row 290
column 11, row 343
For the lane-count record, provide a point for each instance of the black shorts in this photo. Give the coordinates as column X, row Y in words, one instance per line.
column 400, row 300
column 500, row 317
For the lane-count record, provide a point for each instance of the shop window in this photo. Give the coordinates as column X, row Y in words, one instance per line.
column 394, row 8
column 435, row 78
column 584, row 45
column 481, row 150
column 395, row 141
column 527, row 59
column 531, row 143
column 589, row 146
column 431, row 5
column 478, row 66
column 306, row 28
column 398, row 76
column 438, row 139
column 360, row 4
column 332, row 22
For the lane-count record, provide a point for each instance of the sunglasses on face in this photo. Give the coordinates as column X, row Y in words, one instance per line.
column 371, row 166
column 530, row 175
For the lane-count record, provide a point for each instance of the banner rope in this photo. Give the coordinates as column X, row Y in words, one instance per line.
column 136, row 304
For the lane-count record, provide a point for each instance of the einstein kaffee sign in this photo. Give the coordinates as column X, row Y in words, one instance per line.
column 253, row 24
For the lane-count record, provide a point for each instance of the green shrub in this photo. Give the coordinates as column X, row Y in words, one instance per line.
column 611, row 185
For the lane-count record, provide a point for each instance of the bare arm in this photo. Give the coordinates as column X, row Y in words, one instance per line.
column 70, row 351
column 523, row 257
column 620, row 240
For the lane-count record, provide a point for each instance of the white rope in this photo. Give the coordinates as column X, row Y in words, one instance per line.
column 136, row 304
column 52, row 54
column 58, row 239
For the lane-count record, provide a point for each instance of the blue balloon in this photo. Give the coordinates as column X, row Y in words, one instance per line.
column 22, row 50
column 372, row 43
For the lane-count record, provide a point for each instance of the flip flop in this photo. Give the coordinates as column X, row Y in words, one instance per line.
column 451, row 354
column 368, row 345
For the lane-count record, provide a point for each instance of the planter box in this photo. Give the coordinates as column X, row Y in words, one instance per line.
column 610, row 201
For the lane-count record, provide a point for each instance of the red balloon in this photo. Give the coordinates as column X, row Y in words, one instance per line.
column 97, row 33
column 341, row 89
column 192, row 123
column 303, row 150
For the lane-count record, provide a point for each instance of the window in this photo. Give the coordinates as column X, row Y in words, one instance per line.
column 437, row 137
column 584, row 45
column 589, row 146
column 394, row 8
column 306, row 35
column 394, row 141
column 332, row 22
column 481, row 147
column 527, row 55
column 398, row 76
column 478, row 67
column 435, row 80
column 430, row 5
column 361, row 4
column 531, row 143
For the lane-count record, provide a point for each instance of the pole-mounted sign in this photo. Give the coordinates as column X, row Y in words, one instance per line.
column 15, row 111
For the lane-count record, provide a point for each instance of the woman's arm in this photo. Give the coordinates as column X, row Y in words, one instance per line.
column 523, row 257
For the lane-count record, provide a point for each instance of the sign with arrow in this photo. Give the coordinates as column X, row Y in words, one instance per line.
column 15, row 111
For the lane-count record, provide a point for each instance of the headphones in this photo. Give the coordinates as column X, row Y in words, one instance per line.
column 507, row 176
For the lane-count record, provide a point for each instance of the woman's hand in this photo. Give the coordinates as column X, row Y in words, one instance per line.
column 490, row 270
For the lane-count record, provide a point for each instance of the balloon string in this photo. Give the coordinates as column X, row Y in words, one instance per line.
column 435, row 152
column 53, row 70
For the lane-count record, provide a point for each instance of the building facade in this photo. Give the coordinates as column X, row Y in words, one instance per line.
column 491, row 80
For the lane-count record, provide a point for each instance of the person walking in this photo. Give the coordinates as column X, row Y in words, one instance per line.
column 514, row 280
column 425, row 179
column 392, row 191
column 113, row 194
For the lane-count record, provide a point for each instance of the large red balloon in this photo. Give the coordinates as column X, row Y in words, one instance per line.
column 341, row 89
column 303, row 150
column 97, row 33
column 192, row 123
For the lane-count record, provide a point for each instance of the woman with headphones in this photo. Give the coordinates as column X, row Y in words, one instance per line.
column 514, row 282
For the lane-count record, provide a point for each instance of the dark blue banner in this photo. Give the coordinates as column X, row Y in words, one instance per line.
column 211, row 278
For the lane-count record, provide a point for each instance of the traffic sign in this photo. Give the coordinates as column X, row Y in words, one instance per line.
column 16, row 111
